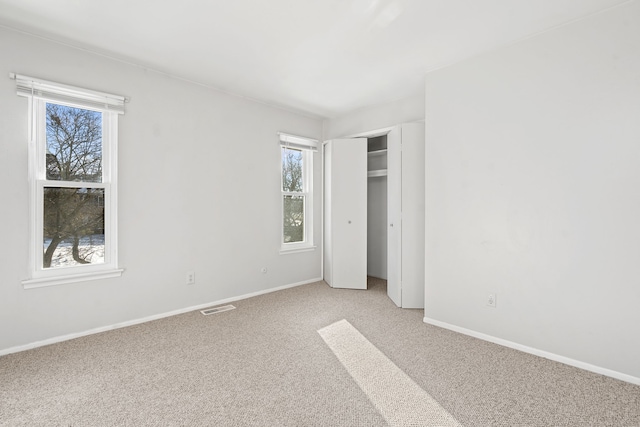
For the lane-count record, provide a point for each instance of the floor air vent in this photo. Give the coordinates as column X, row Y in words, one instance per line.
column 215, row 310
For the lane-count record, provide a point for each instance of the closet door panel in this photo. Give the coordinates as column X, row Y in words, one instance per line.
column 413, row 215
column 394, row 216
column 348, row 213
column 327, row 230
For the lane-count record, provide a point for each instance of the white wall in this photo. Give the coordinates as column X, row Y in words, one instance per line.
column 199, row 190
column 532, row 185
column 376, row 117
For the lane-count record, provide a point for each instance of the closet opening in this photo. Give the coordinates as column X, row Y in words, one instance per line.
column 377, row 207
column 373, row 222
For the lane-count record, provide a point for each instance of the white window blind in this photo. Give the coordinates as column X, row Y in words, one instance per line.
column 56, row 92
column 298, row 142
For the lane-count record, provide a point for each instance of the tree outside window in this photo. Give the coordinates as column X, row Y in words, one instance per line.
column 294, row 198
column 73, row 216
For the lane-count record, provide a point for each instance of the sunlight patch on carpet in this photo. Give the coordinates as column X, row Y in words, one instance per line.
column 396, row 396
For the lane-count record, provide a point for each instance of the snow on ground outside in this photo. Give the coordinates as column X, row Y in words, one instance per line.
column 91, row 249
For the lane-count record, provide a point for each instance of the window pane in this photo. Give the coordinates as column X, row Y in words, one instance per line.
column 73, row 226
column 291, row 169
column 74, row 144
column 293, row 219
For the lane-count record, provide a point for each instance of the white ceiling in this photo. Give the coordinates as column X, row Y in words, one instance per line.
column 320, row 57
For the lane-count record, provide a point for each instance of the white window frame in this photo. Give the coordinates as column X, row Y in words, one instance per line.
column 308, row 147
column 39, row 93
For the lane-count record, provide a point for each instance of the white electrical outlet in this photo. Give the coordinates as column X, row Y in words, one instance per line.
column 491, row 300
column 191, row 277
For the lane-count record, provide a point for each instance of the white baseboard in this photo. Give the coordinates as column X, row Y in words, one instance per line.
column 536, row 352
column 67, row 337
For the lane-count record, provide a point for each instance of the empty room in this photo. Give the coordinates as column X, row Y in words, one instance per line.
column 320, row 213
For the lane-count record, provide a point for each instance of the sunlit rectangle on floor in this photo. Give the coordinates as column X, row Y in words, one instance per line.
column 398, row 398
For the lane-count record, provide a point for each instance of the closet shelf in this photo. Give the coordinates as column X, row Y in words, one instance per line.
column 375, row 173
column 377, row 153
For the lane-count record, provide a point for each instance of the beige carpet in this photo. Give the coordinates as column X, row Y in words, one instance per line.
column 265, row 364
column 397, row 397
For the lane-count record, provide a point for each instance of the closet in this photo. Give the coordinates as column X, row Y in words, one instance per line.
column 374, row 212
column 377, row 207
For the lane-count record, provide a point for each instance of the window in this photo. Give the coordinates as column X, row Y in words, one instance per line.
column 73, row 182
column 297, row 192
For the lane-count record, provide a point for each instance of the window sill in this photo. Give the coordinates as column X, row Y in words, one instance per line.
column 70, row 278
column 286, row 251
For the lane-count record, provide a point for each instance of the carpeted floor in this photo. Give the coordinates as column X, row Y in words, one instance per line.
column 265, row 364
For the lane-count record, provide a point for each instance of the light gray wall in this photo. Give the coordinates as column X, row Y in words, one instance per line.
column 404, row 110
column 532, row 185
column 199, row 190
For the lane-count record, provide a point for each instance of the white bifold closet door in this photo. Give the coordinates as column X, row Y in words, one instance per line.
column 413, row 216
column 345, row 213
column 405, row 214
column 394, row 216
